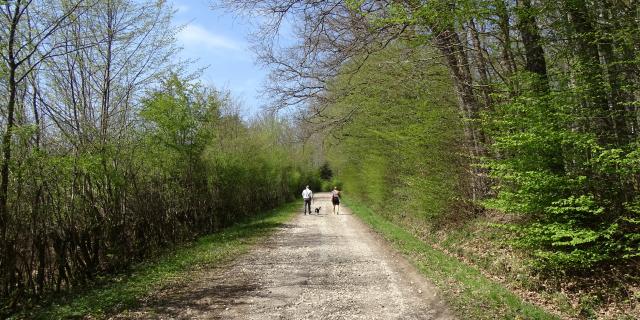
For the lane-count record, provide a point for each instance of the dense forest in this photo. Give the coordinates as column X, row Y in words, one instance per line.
column 111, row 153
column 506, row 129
column 546, row 96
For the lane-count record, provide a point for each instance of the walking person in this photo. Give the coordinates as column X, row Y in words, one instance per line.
column 307, row 195
column 335, row 199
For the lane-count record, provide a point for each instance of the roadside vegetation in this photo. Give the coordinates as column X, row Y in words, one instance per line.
column 471, row 294
column 111, row 154
column 171, row 268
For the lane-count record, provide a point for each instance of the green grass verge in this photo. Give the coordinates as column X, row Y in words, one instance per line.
column 127, row 290
column 469, row 293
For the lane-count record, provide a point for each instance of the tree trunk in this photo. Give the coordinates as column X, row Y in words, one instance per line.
column 586, row 50
column 448, row 42
column 481, row 64
column 534, row 54
column 618, row 96
column 503, row 24
column 12, row 86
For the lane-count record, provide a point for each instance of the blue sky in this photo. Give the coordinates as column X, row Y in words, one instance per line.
column 219, row 40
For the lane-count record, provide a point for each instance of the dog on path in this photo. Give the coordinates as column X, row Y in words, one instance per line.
column 318, row 210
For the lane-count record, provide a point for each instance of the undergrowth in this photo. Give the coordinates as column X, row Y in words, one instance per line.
column 126, row 290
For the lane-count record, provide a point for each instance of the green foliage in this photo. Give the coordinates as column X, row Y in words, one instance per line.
column 325, row 171
column 568, row 184
column 398, row 149
column 186, row 169
column 328, row 185
column 181, row 116
column 562, row 138
column 470, row 294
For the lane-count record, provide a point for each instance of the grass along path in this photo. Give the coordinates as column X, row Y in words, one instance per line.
column 470, row 294
column 320, row 266
column 175, row 267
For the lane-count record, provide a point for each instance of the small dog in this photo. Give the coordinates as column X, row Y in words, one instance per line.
column 318, row 210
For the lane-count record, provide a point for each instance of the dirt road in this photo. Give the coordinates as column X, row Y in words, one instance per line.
column 320, row 266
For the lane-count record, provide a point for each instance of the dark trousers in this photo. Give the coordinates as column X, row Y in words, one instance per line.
column 307, row 203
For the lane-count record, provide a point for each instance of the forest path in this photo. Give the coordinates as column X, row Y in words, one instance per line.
column 319, row 266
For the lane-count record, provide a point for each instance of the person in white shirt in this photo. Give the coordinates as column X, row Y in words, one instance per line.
column 307, row 195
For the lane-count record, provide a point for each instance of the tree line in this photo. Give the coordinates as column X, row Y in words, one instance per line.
column 110, row 152
column 547, row 110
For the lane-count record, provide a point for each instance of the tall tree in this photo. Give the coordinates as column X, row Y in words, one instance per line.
column 530, row 35
column 27, row 44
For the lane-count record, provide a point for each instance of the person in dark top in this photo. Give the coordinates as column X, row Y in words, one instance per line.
column 335, row 199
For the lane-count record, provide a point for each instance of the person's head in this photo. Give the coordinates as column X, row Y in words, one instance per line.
column 335, row 188
column 307, row 186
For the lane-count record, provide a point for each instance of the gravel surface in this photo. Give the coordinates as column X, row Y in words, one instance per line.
column 320, row 266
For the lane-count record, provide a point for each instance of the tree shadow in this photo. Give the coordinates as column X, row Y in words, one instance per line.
column 189, row 302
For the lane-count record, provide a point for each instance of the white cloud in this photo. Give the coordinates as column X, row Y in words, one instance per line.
column 193, row 35
column 182, row 8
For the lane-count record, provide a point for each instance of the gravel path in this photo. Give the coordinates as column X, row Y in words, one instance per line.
column 320, row 266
